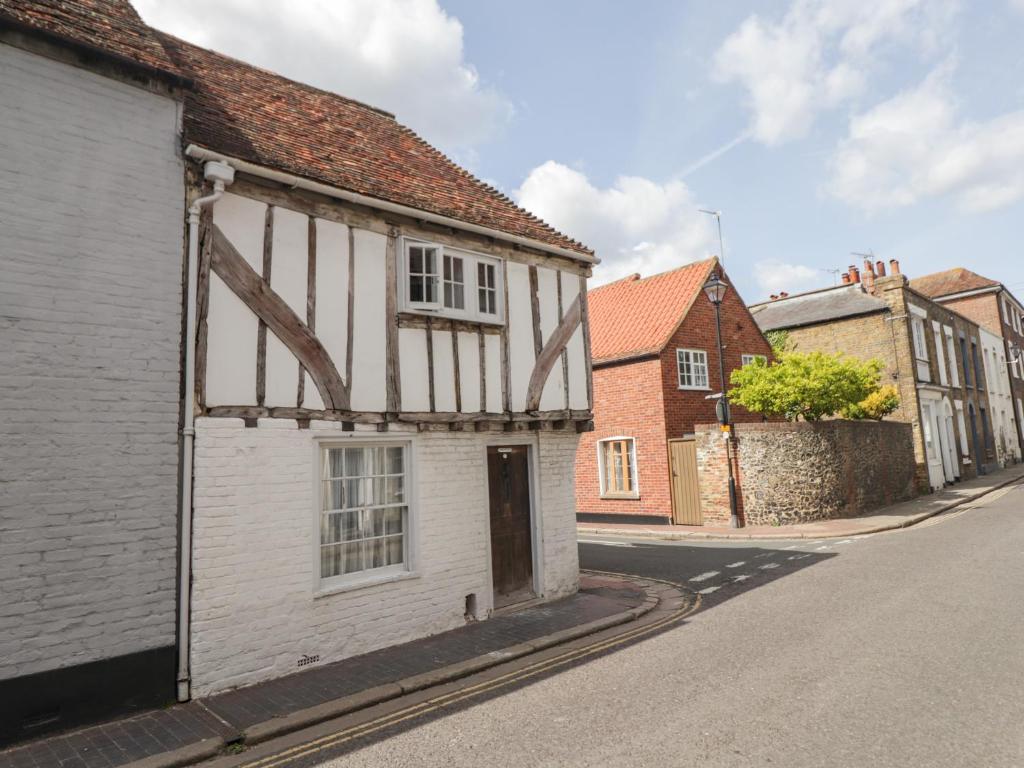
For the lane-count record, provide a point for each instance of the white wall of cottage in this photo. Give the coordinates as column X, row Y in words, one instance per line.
column 256, row 610
column 90, row 334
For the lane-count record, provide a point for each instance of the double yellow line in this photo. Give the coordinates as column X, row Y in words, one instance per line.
column 417, row 710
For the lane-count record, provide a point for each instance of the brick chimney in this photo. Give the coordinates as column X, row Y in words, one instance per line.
column 879, row 268
column 894, row 267
column 854, row 274
column 869, row 276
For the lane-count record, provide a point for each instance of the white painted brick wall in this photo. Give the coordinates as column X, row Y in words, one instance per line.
column 254, row 609
column 91, row 212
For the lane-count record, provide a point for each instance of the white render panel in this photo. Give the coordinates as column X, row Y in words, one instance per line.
column 469, row 371
column 553, row 395
column 332, row 290
column 492, row 360
column 369, row 342
column 92, row 206
column 444, row 372
column 412, row 368
column 232, row 326
column 254, row 609
column 575, row 349
column 520, row 333
column 288, row 268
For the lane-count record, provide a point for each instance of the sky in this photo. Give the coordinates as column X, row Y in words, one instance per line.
column 817, row 127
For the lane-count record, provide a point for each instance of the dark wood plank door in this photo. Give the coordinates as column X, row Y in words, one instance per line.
column 508, row 476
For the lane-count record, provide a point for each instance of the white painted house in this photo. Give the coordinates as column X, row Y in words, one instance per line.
column 391, row 372
column 91, row 215
column 1000, row 398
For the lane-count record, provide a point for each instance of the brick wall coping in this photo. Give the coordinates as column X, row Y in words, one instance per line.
column 805, row 426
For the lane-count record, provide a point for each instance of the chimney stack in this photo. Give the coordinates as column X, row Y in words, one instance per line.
column 894, row 267
column 879, row 268
column 854, row 274
column 869, row 276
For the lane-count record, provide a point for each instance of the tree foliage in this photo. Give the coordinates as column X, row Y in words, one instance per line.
column 778, row 340
column 809, row 386
column 877, row 405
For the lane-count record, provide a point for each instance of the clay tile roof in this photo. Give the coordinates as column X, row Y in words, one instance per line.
column 637, row 316
column 956, row 280
column 111, row 27
column 255, row 115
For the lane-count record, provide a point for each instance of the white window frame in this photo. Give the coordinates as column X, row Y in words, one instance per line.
column 748, row 359
column 920, row 343
column 325, row 585
column 602, row 471
column 940, row 355
column 470, row 259
column 691, row 362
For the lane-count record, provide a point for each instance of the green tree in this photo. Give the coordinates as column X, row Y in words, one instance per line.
column 804, row 385
column 877, row 405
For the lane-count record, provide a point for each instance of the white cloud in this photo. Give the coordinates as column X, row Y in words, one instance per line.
column 915, row 146
column 820, row 55
column 636, row 225
column 405, row 56
column 774, row 276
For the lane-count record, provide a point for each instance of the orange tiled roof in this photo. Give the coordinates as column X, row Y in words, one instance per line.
column 110, row 26
column 956, row 280
column 637, row 316
column 261, row 117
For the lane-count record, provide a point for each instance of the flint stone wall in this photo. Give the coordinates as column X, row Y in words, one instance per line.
column 800, row 472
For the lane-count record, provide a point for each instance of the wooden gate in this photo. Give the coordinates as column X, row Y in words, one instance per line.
column 682, row 457
column 508, row 474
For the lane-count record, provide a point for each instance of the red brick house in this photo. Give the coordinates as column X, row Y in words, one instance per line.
column 655, row 362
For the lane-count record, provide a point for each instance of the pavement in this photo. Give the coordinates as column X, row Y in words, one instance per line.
column 886, row 519
column 201, row 729
column 894, row 650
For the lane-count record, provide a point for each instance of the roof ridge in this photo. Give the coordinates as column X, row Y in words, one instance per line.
column 636, row 278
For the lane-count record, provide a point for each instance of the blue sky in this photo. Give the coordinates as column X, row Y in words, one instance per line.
column 818, row 128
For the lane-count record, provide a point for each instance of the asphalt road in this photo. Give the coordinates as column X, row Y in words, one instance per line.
column 898, row 649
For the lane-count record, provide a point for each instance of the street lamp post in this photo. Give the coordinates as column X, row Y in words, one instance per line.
column 715, row 289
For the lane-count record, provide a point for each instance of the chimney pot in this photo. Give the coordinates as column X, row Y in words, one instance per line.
column 880, row 268
column 894, row 267
column 774, row 297
column 783, row 294
column 846, row 278
column 854, row 274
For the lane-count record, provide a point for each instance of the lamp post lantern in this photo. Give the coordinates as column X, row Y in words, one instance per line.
column 715, row 289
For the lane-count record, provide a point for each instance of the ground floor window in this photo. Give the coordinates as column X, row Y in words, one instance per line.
column 748, row 359
column 363, row 511
column 617, row 459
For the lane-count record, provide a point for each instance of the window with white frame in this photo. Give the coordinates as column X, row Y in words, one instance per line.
column 1004, row 306
column 954, row 373
column 748, row 359
column 693, row 368
column 920, row 343
column 616, row 458
column 963, row 427
column 940, row 357
column 364, row 511
column 450, row 282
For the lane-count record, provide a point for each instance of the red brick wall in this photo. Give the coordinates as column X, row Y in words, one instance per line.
column 740, row 336
column 627, row 403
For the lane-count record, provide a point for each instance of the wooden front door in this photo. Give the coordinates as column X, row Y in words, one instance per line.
column 682, row 455
column 508, row 478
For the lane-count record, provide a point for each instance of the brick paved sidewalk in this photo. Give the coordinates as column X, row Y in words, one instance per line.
column 189, row 732
column 897, row 516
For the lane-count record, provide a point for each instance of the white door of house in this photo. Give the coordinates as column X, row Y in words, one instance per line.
column 950, row 440
column 936, row 476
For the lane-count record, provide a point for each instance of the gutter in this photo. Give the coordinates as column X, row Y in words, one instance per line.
column 221, row 175
column 203, row 154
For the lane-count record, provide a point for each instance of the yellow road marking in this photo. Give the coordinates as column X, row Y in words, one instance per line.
column 417, row 710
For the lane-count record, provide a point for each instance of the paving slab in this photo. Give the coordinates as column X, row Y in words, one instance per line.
column 886, row 519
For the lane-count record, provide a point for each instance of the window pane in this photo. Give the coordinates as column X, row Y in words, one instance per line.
column 356, row 493
column 458, row 299
column 376, row 556
column 354, row 462
column 416, row 260
column 339, row 559
column 430, row 261
column 394, row 460
column 339, row 526
column 395, row 550
column 415, row 288
column 457, row 270
column 448, row 294
column 394, row 520
column 430, row 290
column 447, row 268
column 334, row 463
column 334, row 494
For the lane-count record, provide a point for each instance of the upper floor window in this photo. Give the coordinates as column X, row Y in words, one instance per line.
column 450, row 282
column 917, row 328
column 748, row 359
column 693, row 368
column 966, row 361
column 617, row 464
